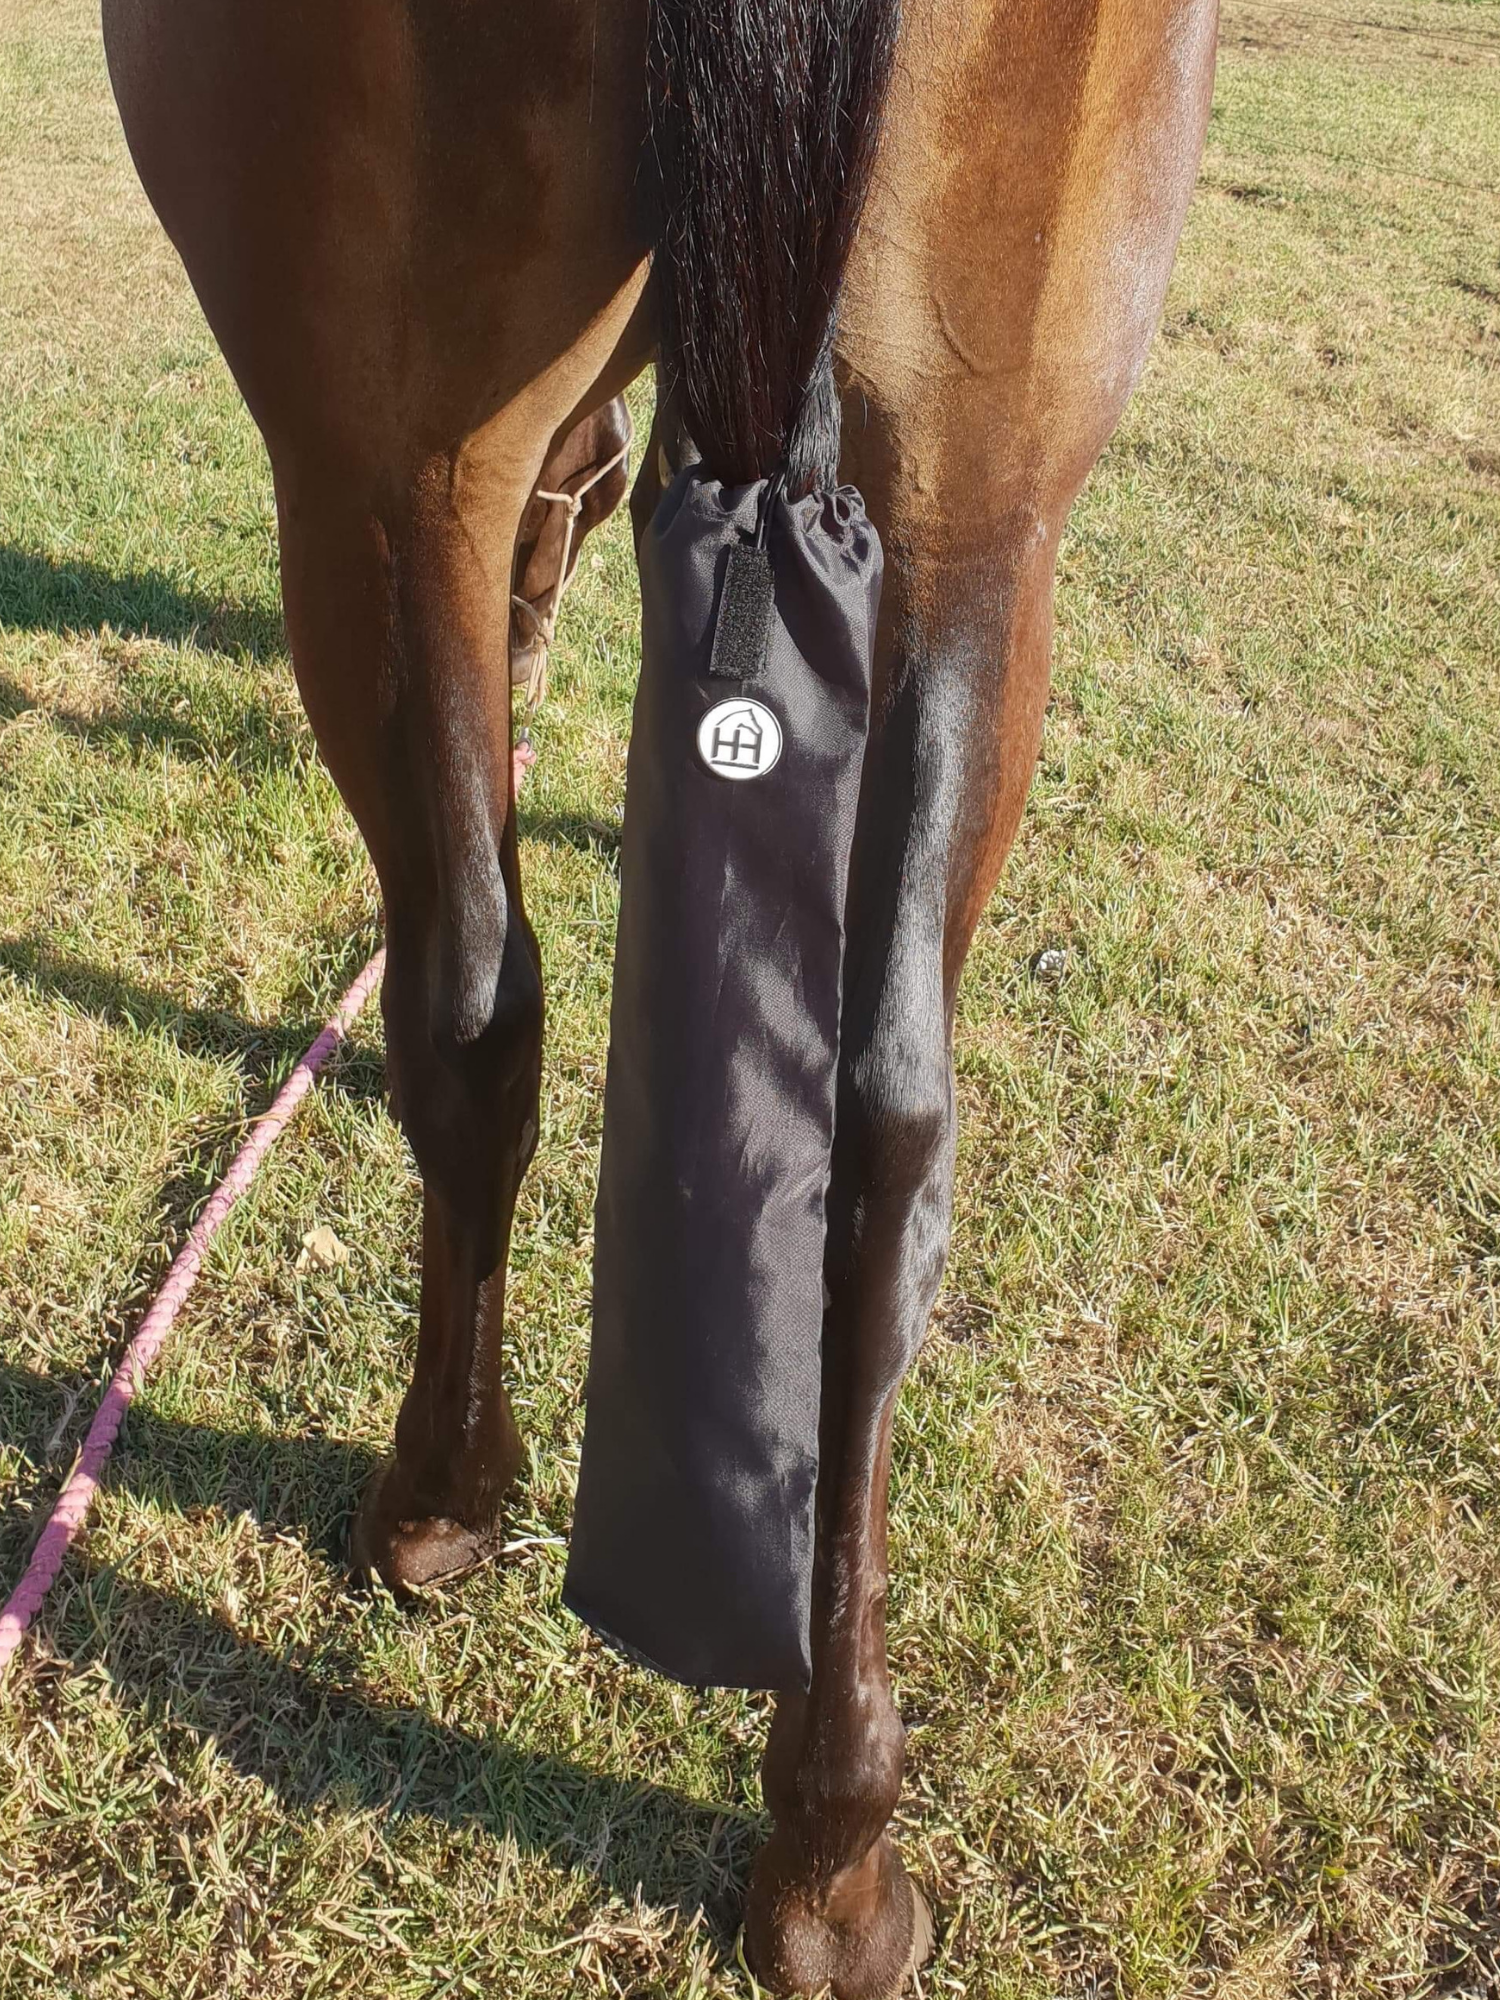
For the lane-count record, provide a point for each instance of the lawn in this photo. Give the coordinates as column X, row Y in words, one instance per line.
column 1196, row 1605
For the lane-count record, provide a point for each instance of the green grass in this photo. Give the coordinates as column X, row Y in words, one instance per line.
column 1196, row 1612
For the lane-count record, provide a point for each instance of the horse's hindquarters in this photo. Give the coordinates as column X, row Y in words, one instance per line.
column 412, row 226
column 402, row 220
column 1015, row 255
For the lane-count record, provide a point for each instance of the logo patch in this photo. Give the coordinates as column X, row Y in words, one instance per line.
column 739, row 739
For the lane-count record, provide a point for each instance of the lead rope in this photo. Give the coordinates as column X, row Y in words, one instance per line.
column 73, row 1503
column 544, row 622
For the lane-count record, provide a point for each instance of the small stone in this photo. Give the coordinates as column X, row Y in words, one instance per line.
column 1049, row 966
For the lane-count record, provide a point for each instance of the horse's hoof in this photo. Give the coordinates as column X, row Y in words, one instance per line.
column 414, row 1553
column 865, row 1945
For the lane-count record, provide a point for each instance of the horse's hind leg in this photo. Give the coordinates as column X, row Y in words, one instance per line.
column 399, row 609
column 430, row 782
column 400, row 642
column 995, row 330
column 829, row 1904
column 410, row 228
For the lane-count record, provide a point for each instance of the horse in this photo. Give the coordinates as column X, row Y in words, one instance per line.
column 418, row 231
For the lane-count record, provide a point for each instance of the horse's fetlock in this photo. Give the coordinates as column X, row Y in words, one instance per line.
column 845, row 1802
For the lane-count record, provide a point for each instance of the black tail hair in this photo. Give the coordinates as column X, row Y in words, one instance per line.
column 765, row 116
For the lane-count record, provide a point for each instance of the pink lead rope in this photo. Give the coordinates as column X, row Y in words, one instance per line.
column 83, row 1483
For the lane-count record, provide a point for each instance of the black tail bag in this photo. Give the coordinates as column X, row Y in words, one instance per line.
column 693, row 1534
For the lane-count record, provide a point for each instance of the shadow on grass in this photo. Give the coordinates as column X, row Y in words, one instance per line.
column 306, row 1482
column 263, row 739
column 259, row 740
column 40, row 595
column 306, row 1734
column 264, row 1054
column 297, row 1723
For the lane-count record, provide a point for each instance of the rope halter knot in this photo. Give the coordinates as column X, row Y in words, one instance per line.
column 543, row 620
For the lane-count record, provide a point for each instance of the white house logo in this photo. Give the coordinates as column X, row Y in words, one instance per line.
column 739, row 739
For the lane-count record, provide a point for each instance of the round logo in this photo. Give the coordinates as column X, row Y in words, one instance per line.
column 739, row 739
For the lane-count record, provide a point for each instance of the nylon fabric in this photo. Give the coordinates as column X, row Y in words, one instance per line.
column 692, row 1538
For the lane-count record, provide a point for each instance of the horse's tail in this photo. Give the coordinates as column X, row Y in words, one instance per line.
column 765, row 115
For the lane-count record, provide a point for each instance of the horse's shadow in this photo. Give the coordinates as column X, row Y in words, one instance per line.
column 298, row 1723
column 261, row 1052
column 261, row 737
column 306, row 1483
column 69, row 597
column 38, row 594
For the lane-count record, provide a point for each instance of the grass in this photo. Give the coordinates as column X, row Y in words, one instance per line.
column 1196, row 1615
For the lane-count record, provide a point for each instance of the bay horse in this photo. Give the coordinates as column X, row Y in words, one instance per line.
column 418, row 231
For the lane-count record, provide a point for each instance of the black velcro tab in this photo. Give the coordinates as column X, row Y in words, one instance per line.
column 747, row 601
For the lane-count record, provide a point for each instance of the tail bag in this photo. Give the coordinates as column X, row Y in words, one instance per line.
column 760, row 583
column 693, row 1532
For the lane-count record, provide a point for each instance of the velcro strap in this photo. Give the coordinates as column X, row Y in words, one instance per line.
column 742, row 629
